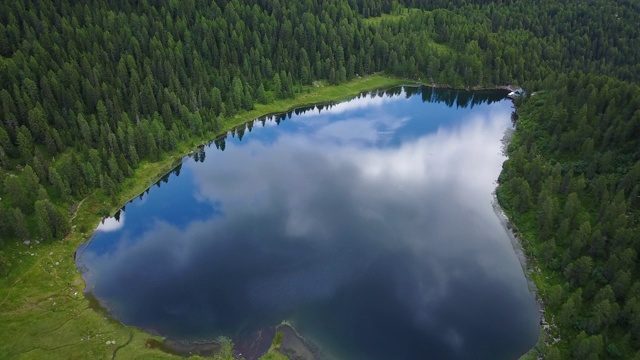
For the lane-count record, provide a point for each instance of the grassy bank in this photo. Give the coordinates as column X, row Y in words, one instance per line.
column 43, row 311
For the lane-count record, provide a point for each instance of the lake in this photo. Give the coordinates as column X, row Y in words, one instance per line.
column 369, row 224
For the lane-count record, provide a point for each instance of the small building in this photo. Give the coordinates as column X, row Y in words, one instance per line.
column 516, row 93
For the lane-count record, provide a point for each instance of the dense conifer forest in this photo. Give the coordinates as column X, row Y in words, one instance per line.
column 91, row 90
column 572, row 187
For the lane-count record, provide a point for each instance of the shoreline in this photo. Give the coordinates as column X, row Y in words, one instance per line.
column 25, row 288
column 526, row 263
column 527, row 269
column 296, row 345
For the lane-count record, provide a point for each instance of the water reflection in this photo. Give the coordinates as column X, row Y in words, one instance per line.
column 367, row 223
column 112, row 224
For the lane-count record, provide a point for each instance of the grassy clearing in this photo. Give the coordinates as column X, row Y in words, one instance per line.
column 399, row 14
column 43, row 311
column 396, row 15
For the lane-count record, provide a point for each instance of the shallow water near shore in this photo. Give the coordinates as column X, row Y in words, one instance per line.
column 368, row 224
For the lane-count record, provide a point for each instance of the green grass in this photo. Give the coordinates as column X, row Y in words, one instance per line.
column 319, row 94
column 440, row 50
column 398, row 14
column 43, row 311
column 273, row 355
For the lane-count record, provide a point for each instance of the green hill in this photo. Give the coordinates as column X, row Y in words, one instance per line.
column 98, row 98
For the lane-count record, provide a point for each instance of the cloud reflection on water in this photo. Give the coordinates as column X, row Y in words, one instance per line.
column 111, row 224
column 314, row 220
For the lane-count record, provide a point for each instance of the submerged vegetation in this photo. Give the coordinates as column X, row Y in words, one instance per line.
column 96, row 98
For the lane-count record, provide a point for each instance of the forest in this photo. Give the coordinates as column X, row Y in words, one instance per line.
column 89, row 91
column 572, row 187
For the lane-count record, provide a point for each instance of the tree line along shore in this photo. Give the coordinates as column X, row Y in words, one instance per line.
column 95, row 97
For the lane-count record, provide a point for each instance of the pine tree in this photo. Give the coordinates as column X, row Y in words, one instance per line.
column 20, row 228
column 60, row 187
column 44, row 223
column 17, row 194
column 25, row 143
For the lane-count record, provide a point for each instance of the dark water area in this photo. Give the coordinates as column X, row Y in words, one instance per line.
column 367, row 224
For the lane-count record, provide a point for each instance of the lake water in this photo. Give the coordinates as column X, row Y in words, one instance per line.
column 368, row 224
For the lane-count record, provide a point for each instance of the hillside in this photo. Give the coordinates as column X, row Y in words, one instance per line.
column 97, row 97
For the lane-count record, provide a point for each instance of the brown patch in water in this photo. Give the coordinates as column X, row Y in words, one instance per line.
column 256, row 346
column 295, row 346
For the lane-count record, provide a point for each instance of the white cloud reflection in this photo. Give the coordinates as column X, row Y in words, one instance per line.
column 111, row 224
column 325, row 207
column 363, row 102
column 463, row 161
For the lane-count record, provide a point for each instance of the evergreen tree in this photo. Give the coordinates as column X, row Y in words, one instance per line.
column 18, row 194
column 44, row 223
column 20, row 228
